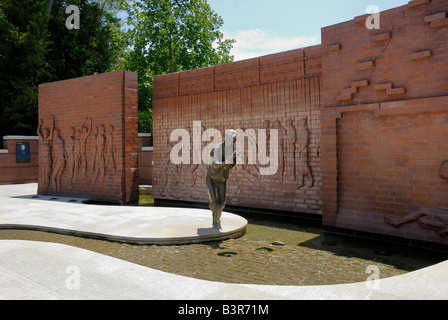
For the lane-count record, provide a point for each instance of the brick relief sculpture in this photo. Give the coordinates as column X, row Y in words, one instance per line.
column 73, row 154
column 45, row 153
column 428, row 218
column 273, row 92
column 293, row 175
column 73, row 159
column 384, row 125
column 88, row 137
column 444, row 171
column 85, row 131
column 361, row 122
column 303, row 168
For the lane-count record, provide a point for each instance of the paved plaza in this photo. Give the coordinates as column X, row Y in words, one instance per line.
column 45, row 270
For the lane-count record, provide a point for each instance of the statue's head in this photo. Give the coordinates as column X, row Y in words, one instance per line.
column 231, row 136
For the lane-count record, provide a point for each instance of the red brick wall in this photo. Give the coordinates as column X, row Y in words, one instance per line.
column 405, row 59
column 105, row 104
column 384, row 120
column 243, row 95
column 378, row 150
column 13, row 172
column 145, row 161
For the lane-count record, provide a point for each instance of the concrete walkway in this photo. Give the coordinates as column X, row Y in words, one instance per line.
column 21, row 208
column 37, row 270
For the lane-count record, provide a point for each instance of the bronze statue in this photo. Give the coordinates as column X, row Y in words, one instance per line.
column 223, row 158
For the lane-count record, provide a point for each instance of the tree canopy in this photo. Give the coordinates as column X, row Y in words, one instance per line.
column 23, row 48
column 37, row 47
column 160, row 36
column 168, row 36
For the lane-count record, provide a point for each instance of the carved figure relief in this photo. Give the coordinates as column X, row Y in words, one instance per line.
column 98, row 169
column 69, row 157
column 290, row 151
column 444, row 171
column 85, row 133
column 302, row 168
column 267, row 127
column 46, row 138
column 188, row 171
column 180, row 181
column 173, row 173
column 251, row 171
column 282, row 150
column 111, row 149
column 73, row 154
column 170, row 172
column 165, row 159
column 58, row 157
column 428, row 218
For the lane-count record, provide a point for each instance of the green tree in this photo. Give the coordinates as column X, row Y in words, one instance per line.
column 172, row 35
column 23, row 47
column 93, row 48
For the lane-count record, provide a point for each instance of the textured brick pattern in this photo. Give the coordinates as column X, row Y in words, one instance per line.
column 384, row 143
column 405, row 52
column 244, row 95
column 95, row 153
column 145, row 162
column 378, row 150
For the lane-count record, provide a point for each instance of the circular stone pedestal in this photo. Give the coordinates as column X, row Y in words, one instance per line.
column 186, row 226
column 23, row 209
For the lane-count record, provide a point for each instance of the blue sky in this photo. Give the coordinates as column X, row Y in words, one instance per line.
column 268, row 26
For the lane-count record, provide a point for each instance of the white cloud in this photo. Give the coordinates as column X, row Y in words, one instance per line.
column 258, row 42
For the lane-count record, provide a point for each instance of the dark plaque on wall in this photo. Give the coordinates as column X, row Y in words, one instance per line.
column 22, row 152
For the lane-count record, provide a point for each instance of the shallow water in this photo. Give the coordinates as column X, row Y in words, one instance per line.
column 273, row 251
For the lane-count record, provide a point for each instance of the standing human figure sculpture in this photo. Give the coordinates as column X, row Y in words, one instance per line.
column 110, row 150
column 282, row 148
column 59, row 156
column 86, row 129
column 99, row 169
column 45, row 150
column 290, row 151
column 223, row 158
column 70, row 145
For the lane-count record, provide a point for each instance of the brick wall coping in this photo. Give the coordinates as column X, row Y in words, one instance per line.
column 3, row 150
column 410, row 106
column 20, row 138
